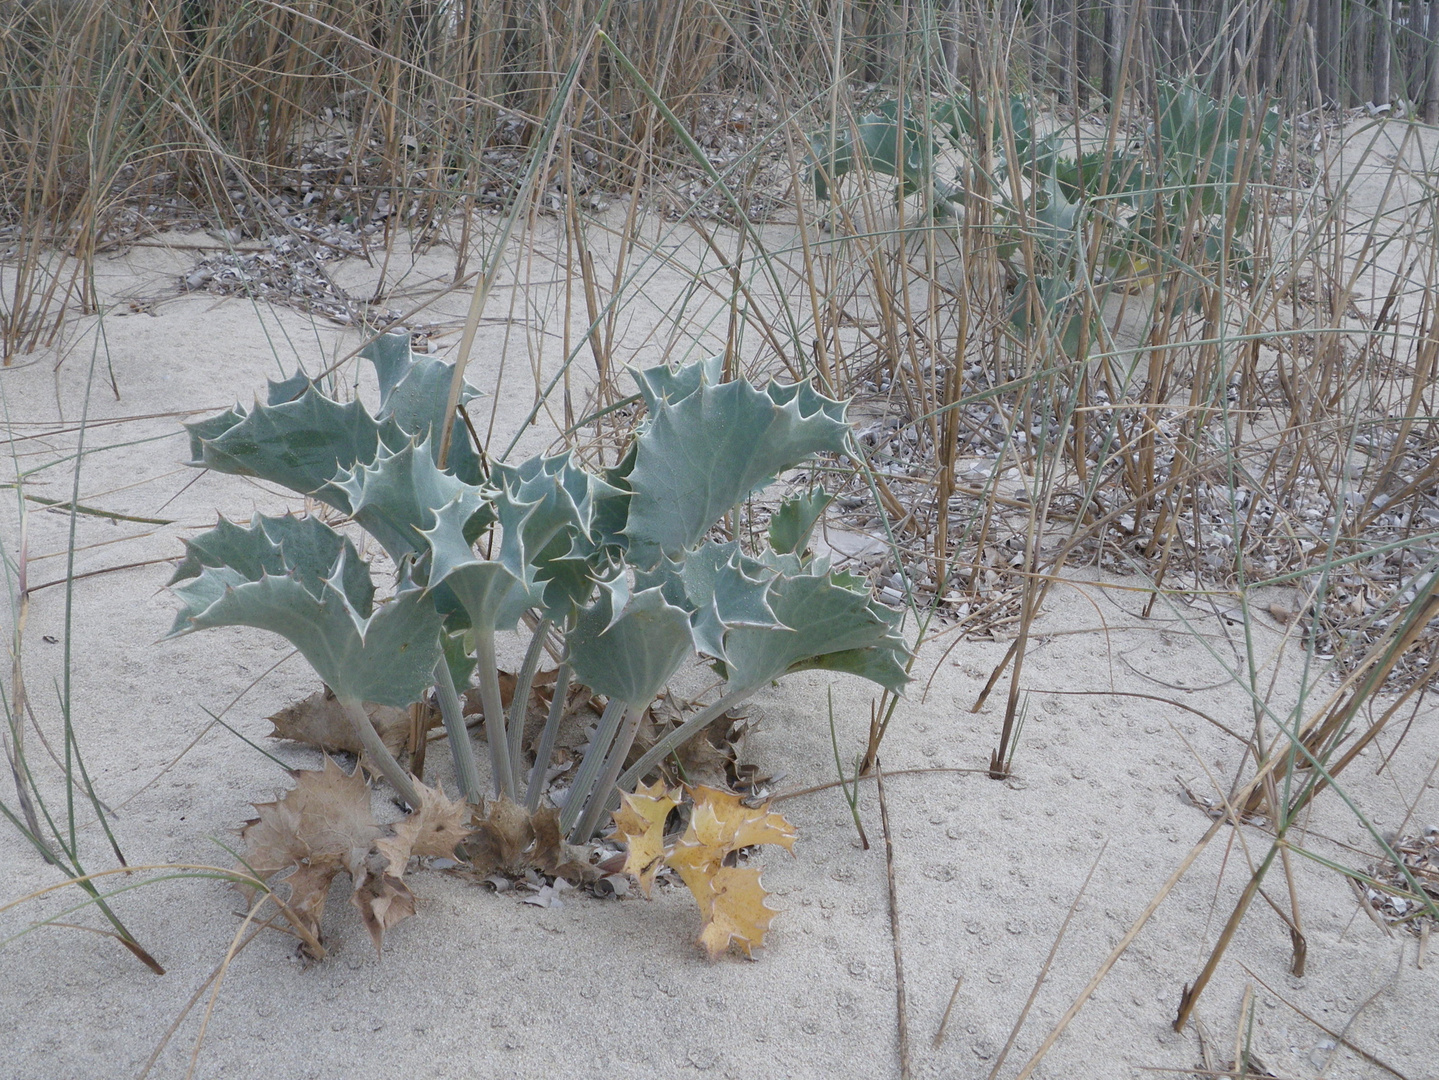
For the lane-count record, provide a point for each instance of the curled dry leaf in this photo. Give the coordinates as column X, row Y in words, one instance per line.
column 640, row 822
column 499, row 838
column 435, row 828
column 731, row 899
column 320, row 721
column 541, row 691
column 553, row 856
column 510, row 840
column 321, row 826
column 382, row 900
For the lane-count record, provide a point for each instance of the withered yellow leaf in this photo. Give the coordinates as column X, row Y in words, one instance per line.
column 721, row 819
column 736, row 913
column 731, row 899
column 640, row 823
column 764, row 827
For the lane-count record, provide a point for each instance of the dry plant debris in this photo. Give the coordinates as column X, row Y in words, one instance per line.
column 320, row 721
column 324, row 825
column 508, row 840
column 1394, row 903
column 731, row 898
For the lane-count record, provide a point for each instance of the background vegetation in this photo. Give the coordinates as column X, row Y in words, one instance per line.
column 1090, row 270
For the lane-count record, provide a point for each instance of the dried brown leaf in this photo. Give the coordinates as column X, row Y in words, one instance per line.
column 435, row 828
column 321, row 826
column 540, row 691
column 383, row 900
column 500, row 838
column 553, row 856
column 320, row 721
column 702, row 762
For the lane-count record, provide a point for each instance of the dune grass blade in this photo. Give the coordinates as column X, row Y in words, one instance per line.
column 539, row 157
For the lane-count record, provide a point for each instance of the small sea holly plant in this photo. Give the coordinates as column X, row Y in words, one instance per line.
column 622, row 565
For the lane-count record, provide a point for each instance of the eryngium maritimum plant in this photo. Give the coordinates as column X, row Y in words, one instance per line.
column 622, row 564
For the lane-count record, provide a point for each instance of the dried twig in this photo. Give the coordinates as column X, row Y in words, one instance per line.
column 900, row 998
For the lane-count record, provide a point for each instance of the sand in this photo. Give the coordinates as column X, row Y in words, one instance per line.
column 479, row 984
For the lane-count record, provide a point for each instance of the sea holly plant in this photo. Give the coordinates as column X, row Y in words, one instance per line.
column 622, row 569
column 873, row 143
column 1176, row 200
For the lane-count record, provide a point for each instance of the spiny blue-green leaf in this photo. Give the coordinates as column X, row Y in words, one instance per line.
column 807, row 402
column 878, row 665
column 701, row 456
column 793, row 523
column 667, row 575
column 560, row 491
column 627, row 646
column 663, row 383
column 1057, row 300
column 494, row 592
column 558, row 503
column 791, row 565
column 874, row 144
column 708, row 567
column 396, row 497
column 288, row 389
column 613, row 513
column 301, row 444
column 303, row 546
column 459, row 657
column 719, row 586
column 737, row 599
column 820, row 620
column 212, row 427
column 566, row 571
column 388, row 658
column 392, row 356
column 1056, row 221
column 417, row 404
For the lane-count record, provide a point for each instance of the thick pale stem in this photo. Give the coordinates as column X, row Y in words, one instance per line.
column 546, row 747
column 599, row 799
column 593, row 763
column 679, row 735
column 494, row 714
column 519, row 705
column 460, row 747
column 379, row 753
